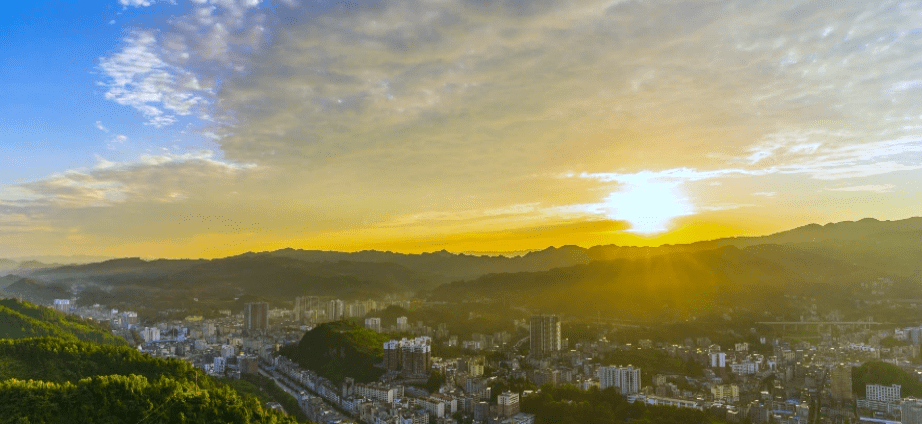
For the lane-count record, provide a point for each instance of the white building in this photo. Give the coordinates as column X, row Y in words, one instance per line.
column 373, row 324
column 745, row 367
column 625, row 379
column 219, row 364
column 718, row 359
column 402, row 324
column 62, row 305
column 150, row 334
column 876, row 392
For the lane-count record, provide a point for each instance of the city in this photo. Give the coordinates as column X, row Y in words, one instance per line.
column 487, row 377
column 461, row 212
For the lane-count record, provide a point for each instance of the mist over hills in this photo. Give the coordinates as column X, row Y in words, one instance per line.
column 686, row 278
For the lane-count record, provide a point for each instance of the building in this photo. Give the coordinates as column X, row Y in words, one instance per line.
column 373, row 324
column 392, row 355
column 726, row 392
column 379, row 392
column 876, row 392
column 508, row 404
column 840, row 382
column 911, row 411
column 625, row 379
column 228, row 351
column 745, row 368
column 402, row 324
column 62, row 305
column 544, row 333
column 303, row 304
column 335, row 310
column 416, row 356
column 718, row 359
column 219, row 364
column 256, row 316
column 248, row 364
column 150, row 334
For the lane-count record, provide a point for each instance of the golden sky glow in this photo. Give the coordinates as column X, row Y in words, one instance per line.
column 486, row 127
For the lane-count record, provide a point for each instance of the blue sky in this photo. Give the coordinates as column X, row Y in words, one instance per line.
column 212, row 127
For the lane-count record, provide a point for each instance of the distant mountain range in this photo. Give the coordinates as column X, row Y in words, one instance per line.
column 807, row 259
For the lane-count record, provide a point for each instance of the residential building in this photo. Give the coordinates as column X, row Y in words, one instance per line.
column 726, row 392
column 840, row 382
column 373, row 324
column 256, row 316
column 335, row 310
column 911, row 411
column 625, row 379
column 544, row 335
column 508, row 404
column 876, row 392
column 62, row 305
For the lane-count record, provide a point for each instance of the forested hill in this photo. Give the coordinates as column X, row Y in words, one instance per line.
column 24, row 319
column 672, row 286
column 62, row 377
column 867, row 248
column 340, row 349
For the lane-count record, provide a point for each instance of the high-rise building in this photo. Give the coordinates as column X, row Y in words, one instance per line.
column 718, row 359
column 392, row 355
column 545, row 335
column 508, row 403
column 373, row 324
column 335, row 310
column 150, row 334
column 402, row 324
column 625, row 379
column 413, row 357
column 911, row 410
column 416, row 356
column 357, row 310
column 256, row 316
column 840, row 382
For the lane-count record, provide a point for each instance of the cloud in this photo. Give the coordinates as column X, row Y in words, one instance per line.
column 154, row 178
column 427, row 115
column 871, row 188
column 100, row 127
column 137, row 3
column 765, row 193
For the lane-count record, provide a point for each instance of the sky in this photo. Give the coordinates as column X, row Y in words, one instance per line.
column 207, row 128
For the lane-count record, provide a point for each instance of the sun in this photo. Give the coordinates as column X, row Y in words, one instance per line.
column 647, row 205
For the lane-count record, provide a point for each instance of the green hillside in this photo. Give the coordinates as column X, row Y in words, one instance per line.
column 24, row 319
column 339, row 349
column 129, row 399
column 884, row 374
column 77, row 372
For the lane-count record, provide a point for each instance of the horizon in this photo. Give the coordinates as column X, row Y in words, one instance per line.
column 482, row 254
column 209, row 128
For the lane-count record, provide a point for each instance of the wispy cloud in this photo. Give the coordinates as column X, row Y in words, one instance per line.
column 871, row 188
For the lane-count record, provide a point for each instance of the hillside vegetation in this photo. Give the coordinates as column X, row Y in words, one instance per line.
column 24, row 319
column 337, row 350
column 77, row 372
column 885, row 374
